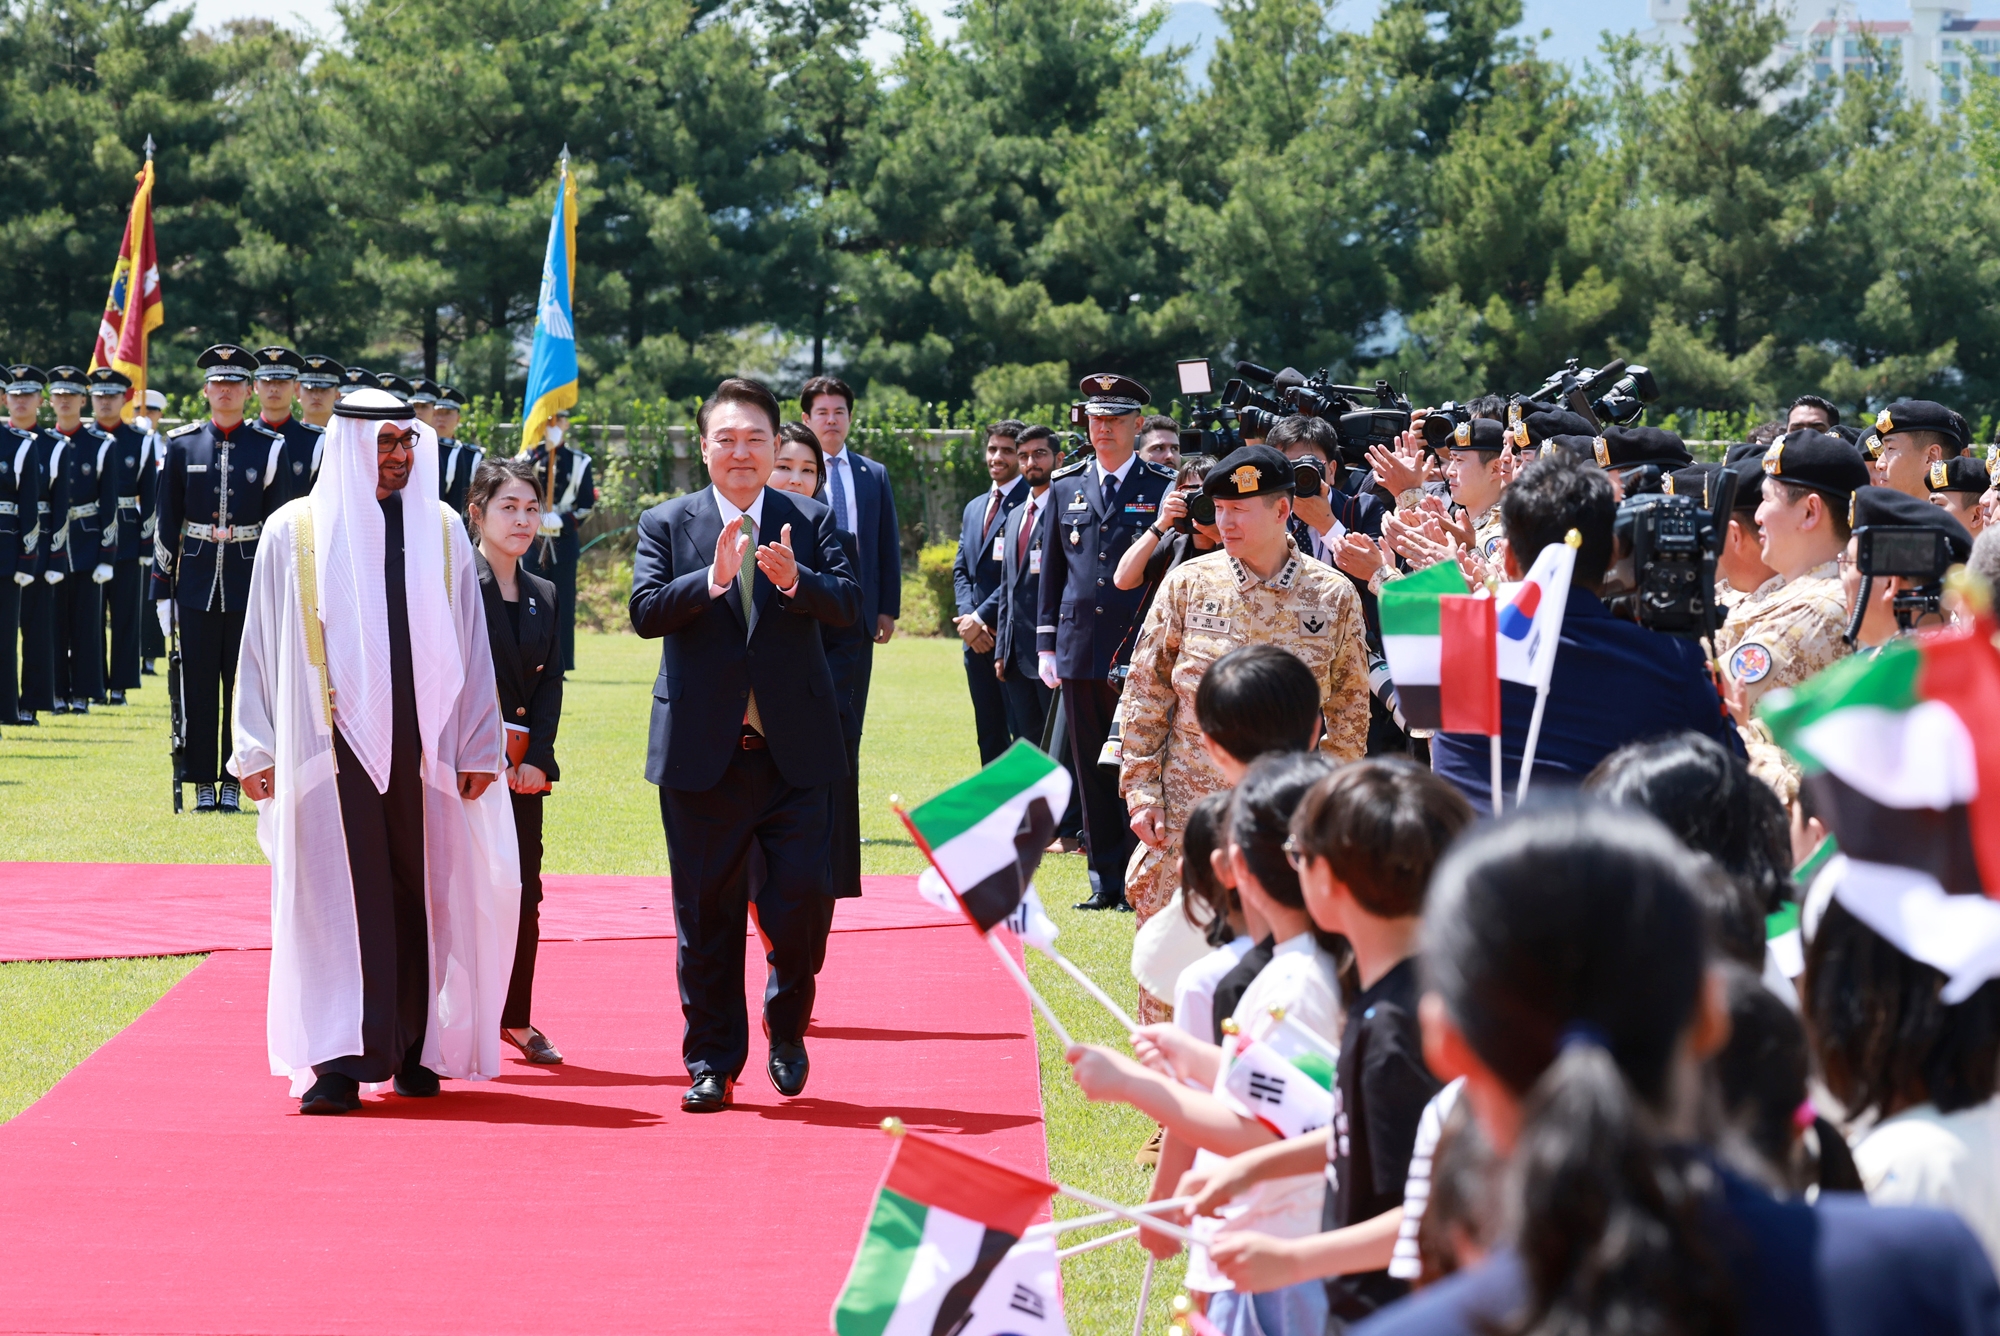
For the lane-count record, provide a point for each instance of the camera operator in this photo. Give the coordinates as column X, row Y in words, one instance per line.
column 1809, row 412
column 1614, row 682
column 1790, row 626
column 1179, row 534
column 1261, row 590
column 1320, row 519
column 1915, row 434
column 1957, row 486
column 1880, row 508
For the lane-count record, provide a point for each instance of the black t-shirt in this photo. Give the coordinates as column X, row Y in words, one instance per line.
column 1230, row 991
column 1378, row 1097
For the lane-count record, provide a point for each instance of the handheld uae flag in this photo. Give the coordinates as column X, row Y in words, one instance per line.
column 1283, row 1081
column 134, row 308
column 1531, row 617
column 943, row 1223
column 985, row 836
column 1899, row 751
column 1439, row 641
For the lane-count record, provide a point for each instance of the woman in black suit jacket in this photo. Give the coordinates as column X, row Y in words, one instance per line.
column 503, row 509
column 800, row 468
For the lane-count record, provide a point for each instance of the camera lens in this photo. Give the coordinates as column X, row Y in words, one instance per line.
column 1307, row 477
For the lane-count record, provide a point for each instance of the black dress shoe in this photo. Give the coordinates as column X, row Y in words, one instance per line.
column 708, row 1094
column 115, row 697
column 60, row 707
column 416, row 1081
column 146, row 669
column 332, row 1093
column 25, row 719
column 788, row 1068
column 79, row 707
column 204, row 798
column 1106, row 900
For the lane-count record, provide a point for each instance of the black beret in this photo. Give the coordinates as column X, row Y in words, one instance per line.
column 1556, row 422
column 1482, row 434
column 1749, row 471
column 1744, row 450
column 1886, row 507
column 1925, row 415
column 1629, row 447
column 1693, row 481
column 1254, row 470
column 1814, row 459
column 1578, row 448
column 1960, row 473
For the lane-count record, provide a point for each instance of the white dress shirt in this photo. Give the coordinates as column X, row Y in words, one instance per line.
column 731, row 513
column 1109, row 478
column 839, row 464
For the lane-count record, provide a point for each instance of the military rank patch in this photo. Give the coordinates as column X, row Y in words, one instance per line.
column 1750, row 662
column 1313, row 622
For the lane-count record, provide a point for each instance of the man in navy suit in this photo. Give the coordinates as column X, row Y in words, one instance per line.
column 745, row 734
column 975, row 580
column 864, row 505
column 1014, row 660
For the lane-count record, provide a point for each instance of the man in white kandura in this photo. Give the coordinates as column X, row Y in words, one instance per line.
column 368, row 732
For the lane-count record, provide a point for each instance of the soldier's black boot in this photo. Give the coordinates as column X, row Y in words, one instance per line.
column 204, row 797
column 230, row 799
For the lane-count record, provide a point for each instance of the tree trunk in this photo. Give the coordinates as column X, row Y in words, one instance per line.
column 430, row 343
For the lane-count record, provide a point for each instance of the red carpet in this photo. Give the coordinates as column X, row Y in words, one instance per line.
column 91, row 911
column 168, row 1186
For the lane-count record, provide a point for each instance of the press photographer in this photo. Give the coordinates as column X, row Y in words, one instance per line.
column 1894, row 566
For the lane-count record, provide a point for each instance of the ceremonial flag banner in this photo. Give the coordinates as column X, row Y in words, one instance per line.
column 943, row 1222
column 134, row 308
column 1282, row 1081
column 552, row 358
column 985, row 836
column 1439, row 640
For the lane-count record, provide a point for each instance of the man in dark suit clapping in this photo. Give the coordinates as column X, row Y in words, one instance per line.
column 736, row 579
column 975, row 579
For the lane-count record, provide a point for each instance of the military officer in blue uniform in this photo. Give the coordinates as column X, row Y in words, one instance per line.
column 214, row 493
column 569, row 494
column 152, row 644
column 128, row 457
column 423, row 397
column 25, row 385
column 80, row 551
column 296, row 464
column 1093, row 510
column 358, row 378
column 394, row 384
column 20, row 530
column 457, row 460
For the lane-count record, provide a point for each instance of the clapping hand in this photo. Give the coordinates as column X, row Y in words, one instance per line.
column 780, row 567
column 1359, row 556
column 1397, row 471
column 730, row 546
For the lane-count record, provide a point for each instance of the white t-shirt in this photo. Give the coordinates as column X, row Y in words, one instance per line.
column 1922, row 1157
column 1301, row 979
column 1194, row 990
column 1406, row 1264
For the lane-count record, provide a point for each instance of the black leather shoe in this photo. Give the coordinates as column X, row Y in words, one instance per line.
column 1106, row 900
column 416, row 1081
column 789, row 1067
column 115, row 697
column 25, row 719
column 332, row 1093
column 146, row 669
column 79, row 707
column 204, row 798
column 708, row 1094
column 61, row 707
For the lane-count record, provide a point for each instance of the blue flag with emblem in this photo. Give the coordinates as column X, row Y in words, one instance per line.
column 552, row 359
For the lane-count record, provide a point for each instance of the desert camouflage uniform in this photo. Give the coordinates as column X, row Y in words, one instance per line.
column 1784, row 633
column 1487, row 532
column 1203, row 610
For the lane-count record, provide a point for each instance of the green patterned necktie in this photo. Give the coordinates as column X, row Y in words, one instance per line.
column 746, row 578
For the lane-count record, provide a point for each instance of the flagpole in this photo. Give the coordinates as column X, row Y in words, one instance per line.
column 1007, row 962
column 1102, row 1217
column 1090, row 986
column 1145, row 1296
column 1091, row 1245
column 1495, row 740
column 1326, row 1050
column 1175, row 1232
column 1528, row 752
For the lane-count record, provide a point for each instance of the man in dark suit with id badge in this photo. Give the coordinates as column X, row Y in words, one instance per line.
column 1094, row 509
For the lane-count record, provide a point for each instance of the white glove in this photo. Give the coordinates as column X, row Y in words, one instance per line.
column 551, row 522
column 1047, row 661
column 53, row 577
column 23, row 579
column 102, row 573
column 165, row 607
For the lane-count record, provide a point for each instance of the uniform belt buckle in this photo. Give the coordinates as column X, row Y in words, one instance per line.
column 751, row 741
column 221, row 534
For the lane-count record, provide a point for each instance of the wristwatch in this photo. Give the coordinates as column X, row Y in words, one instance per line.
column 1158, row 533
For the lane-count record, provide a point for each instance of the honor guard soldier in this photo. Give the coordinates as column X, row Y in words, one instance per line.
column 295, row 465
column 25, row 385
column 1956, row 484
column 569, row 494
column 319, row 390
column 394, row 384
column 81, row 551
column 129, row 456
column 1913, row 435
column 213, row 497
column 423, row 397
column 152, row 642
column 1792, row 625
column 1261, row 589
column 357, row 378
column 20, row 527
column 457, row 460
column 1093, row 510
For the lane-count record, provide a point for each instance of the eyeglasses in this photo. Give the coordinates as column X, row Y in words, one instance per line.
column 389, row 445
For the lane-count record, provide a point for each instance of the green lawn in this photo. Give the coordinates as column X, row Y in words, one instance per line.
column 95, row 790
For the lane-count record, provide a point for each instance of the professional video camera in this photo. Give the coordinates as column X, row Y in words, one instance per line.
column 1442, row 421
column 1614, row 393
column 1919, row 556
column 1359, row 424
column 1211, row 430
column 1665, row 552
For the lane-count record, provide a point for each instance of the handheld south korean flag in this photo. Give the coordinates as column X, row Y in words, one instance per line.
column 1282, row 1080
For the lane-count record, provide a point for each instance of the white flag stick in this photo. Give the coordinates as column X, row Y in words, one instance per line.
column 1528, row 752
column 1090, row 986
column 1327, row 1049
column 1101, row 1217
column 1145, row 1297
column 1093, row 1244
column 1495, row 740
column 1132, row 1213
column 1007, row 963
